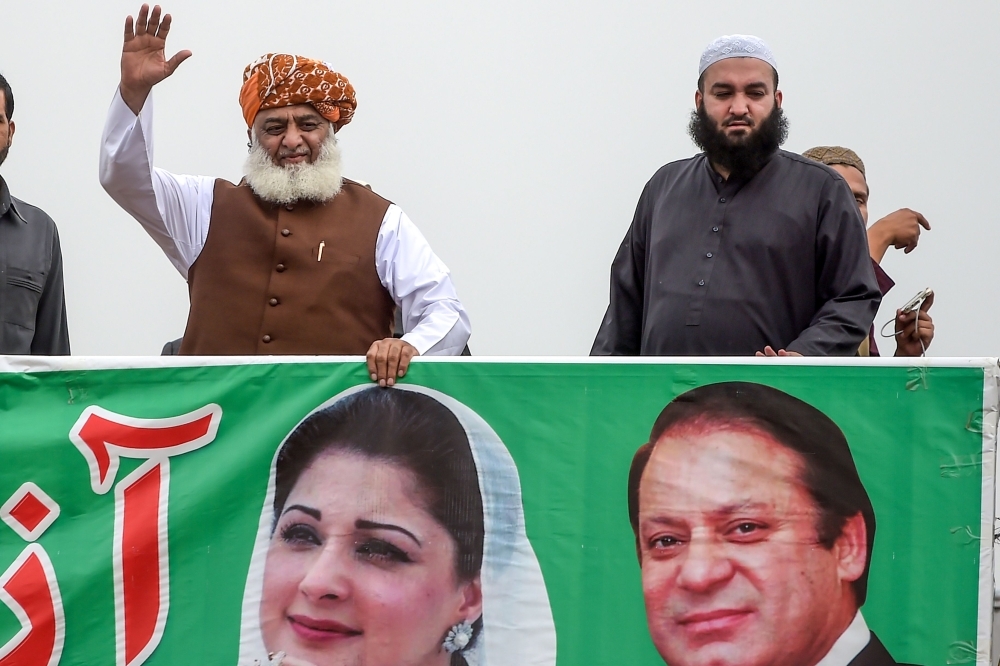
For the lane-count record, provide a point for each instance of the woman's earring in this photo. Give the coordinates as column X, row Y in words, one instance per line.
column 458, row 637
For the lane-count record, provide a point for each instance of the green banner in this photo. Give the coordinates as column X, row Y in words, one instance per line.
column 489, row 513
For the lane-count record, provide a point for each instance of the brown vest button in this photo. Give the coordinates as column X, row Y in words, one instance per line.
column 289, row 207
column 280, row 268
column 266, row 338
column 273, row 301
column 286, row 232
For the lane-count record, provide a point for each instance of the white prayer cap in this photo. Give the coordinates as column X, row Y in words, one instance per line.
column 736, row 46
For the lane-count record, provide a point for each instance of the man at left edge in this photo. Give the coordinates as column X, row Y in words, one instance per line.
column 32, row 300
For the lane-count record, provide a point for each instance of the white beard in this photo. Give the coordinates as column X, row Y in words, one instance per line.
column 319, row 181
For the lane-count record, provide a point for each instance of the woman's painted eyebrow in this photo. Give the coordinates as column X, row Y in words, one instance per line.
column 314, row 513
column 359, row 524
column 369, row 525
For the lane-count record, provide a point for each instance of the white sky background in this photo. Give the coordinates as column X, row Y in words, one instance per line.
column 518, row 136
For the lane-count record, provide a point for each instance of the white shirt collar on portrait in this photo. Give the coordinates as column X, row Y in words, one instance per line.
column 849, row 645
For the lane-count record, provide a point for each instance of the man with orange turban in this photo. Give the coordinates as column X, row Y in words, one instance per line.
column 295, row 259
column 276, row 80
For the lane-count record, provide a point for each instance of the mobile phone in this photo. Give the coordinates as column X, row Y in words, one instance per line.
column 915, row 302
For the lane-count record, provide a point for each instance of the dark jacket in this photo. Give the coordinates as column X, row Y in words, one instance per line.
column 875, row 654
column 714, row 267
column 32, row 302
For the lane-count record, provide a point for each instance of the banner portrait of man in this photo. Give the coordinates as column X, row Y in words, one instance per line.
column 393, row 532
column 754, row 533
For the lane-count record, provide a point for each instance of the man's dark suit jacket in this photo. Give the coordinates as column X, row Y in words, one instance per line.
column 874, row 654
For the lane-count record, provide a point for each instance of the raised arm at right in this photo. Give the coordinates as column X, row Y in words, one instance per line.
column 143, row 61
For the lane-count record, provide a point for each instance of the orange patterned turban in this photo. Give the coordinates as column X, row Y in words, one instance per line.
column 277, row 79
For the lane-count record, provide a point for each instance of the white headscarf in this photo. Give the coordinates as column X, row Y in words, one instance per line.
column 518, row 629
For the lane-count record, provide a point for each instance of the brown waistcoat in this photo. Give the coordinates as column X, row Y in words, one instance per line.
column 260, row 285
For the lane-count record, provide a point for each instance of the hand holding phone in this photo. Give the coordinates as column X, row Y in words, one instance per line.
column 914, row 326
column 918, row 300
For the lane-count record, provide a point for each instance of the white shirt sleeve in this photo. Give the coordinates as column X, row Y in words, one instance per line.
column 434, row 320
column 174, row 210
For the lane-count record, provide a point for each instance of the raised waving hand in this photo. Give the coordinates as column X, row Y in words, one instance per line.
column 143, row 60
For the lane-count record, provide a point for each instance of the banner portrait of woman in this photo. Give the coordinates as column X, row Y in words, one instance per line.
column 393, row 534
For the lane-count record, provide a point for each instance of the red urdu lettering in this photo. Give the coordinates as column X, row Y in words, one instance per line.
column 140, row 550
column 29, row 588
